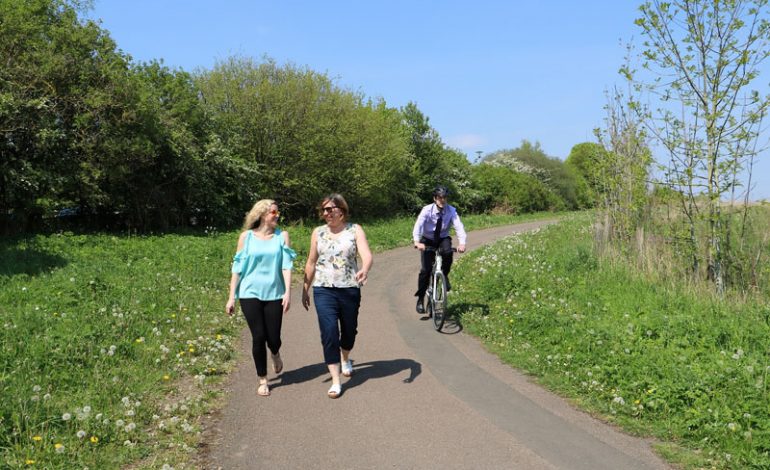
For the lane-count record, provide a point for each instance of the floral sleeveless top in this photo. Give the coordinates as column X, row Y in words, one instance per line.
column 336, row 265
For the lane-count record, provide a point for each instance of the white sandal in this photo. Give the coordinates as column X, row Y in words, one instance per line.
column 334, row 391
column 347, row 368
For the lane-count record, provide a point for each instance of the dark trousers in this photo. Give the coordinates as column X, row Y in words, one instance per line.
column 426, row 263
column 337, row 310
column 264, row 319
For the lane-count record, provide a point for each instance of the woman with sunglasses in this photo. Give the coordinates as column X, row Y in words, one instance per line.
column 332, row 269
column 261, row 280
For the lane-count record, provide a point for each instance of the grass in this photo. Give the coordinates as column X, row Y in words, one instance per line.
column 657, row 359
column 112, row 347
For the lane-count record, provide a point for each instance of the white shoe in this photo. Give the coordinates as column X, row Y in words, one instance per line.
column 347, row 368
column 334, row 391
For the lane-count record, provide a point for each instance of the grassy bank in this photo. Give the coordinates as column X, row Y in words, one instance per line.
column 658, row 360
column 112, row 347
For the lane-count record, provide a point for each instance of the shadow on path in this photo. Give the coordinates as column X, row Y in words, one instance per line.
column 362, row 372
column 298, row 376
column 452, row 324
column 379, row 369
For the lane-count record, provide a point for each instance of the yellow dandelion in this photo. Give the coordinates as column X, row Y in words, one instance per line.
column 173, row 315
column 139, row 340
column 94, row 439
column 192, row 350
column 37, row 438
column 58, row 445
column 219, row 337
column 166, row 377
column 29, row 461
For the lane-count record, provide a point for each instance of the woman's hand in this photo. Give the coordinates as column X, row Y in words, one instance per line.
column 361, row 277
column 305, row 299
column 230, row 307
column 286, row 302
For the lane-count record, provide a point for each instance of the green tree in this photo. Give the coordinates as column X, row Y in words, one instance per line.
column 704, row 56
column 435, row 163
column 296, row 137
column 586, row 158
column 58, row 84
column 152, row 165
column 530, row 159
column 505, row 190
column 622, row 173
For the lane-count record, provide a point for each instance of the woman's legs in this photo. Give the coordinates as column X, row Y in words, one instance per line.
column 337, row 311
column 273, row 322
column 327, row 309
column 253, row 312
column 264, row 320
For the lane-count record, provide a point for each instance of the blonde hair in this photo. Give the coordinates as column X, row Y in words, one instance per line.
column 251, row 221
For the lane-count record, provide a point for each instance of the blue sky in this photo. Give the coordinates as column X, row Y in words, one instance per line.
column 488, row 74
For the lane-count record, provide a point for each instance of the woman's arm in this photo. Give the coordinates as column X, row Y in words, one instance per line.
column 362, row 245
column 235, row 278
column 312, row 258
column 286, row 302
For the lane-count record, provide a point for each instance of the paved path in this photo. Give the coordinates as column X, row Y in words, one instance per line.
column 417, row 399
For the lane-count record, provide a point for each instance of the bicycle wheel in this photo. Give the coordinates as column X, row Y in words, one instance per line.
column 439, row 301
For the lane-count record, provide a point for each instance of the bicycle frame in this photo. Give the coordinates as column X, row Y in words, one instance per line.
column 437, row 290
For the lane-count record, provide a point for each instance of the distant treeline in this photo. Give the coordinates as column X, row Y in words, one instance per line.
column 90, row 136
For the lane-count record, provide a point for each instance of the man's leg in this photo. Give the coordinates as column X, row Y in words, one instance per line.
column 446, row 262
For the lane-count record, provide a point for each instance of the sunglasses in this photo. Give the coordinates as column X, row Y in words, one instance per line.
column 274, row 212
column 329, row 210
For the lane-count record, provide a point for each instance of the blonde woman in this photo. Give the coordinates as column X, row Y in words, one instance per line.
column 261, row 280
column 333, row 271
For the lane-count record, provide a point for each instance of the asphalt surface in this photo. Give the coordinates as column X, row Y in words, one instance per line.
column 417, row 399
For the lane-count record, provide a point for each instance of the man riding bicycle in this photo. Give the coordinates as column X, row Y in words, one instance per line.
column 432, row 229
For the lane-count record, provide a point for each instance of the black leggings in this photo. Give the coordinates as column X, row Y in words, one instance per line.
column 264, row 319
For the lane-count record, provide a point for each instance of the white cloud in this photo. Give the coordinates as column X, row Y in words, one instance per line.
column 466, row 141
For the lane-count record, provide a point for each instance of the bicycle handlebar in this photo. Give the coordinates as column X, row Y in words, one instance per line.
column 438, row 250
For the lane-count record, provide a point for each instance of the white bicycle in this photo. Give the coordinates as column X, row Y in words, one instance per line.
column 437, row 291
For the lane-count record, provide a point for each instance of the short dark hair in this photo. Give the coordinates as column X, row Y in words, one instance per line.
column 440, row 191
column 338, row 201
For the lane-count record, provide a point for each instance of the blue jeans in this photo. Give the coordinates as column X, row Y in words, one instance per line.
column 337, row 310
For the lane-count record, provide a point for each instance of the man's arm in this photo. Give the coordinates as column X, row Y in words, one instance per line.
column 418, row 228
column 460, row 231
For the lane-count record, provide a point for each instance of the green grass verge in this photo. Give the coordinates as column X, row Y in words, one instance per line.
column 113, row 347
column 655, row 359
